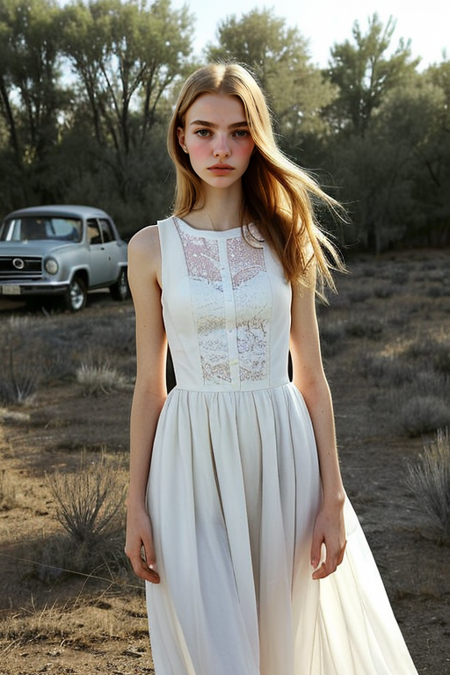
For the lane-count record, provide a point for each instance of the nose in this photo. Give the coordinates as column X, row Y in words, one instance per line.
column 221, row 149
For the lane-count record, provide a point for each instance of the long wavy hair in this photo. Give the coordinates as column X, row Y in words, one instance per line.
column 278, row 196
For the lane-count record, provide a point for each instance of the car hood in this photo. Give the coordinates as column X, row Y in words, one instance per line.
column 35, row 248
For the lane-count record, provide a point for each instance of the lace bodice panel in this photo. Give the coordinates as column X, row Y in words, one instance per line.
column 226, row 309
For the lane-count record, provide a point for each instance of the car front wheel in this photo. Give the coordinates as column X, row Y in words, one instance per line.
column 76, row 295
column 119, row 290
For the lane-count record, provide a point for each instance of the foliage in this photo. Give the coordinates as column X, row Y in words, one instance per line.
column 94, row 136
column 364, row 73
column 89, row 507
column 31, row 95
column 8, row 497
column 125, row 56
column 429, row 480
column 280, row 59
column 86, row 90
column 424, row 413
column 387, row 118
column 21, row 372
column 102, row 378
column 89, row 502
column 32, row 355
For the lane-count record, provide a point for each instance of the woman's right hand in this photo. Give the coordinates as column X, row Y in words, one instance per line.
column 139, row 546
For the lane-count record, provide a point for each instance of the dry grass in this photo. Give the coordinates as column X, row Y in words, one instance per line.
column 29, row 359
column 101, row 378
column 8, row 492
column 424, row 413
column 64, row 623
column 379, row 336
column 90, row 509
column 21, row 374
column 429, row 480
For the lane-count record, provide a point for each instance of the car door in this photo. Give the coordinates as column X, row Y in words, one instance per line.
column 101, row 265
column 111, row 246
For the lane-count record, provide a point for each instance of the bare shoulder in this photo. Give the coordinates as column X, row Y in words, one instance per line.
column 145, row 242
column 144, row 252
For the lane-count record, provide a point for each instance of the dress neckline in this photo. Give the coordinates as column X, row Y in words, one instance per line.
column 208, row 234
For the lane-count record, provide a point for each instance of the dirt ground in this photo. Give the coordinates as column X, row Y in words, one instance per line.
column 97, row 624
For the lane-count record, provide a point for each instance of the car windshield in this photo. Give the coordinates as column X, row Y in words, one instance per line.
column 41, row 228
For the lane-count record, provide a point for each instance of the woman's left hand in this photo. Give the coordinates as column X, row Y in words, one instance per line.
column 329, row 532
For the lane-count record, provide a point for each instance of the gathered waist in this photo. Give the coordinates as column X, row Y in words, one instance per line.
column 231, row 388
column 282, row 394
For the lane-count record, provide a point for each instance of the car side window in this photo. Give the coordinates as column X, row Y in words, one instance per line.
column 106, row 229
column 94, row 235
column 66, row 229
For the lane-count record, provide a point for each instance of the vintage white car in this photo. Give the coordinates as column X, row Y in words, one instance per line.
column 61, row 250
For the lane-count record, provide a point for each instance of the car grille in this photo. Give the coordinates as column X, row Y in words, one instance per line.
column 11, row 268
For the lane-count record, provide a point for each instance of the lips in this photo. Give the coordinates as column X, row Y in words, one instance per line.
column 221, row 169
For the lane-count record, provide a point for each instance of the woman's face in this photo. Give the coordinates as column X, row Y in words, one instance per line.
column 217, row 139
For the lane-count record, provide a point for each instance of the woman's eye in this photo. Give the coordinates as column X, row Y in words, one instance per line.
column 203, row 133
column 241, row 133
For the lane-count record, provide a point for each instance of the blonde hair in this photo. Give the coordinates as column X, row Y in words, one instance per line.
column 278, row 195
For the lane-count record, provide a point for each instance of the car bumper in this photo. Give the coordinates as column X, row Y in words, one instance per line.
column 16, row 289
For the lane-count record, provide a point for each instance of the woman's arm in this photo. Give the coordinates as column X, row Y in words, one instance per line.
column 309, row 377
column 144, row 270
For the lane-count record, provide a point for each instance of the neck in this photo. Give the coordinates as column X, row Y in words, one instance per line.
column 223, row 207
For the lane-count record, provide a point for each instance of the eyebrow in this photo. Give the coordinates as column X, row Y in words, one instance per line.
column 210, row 125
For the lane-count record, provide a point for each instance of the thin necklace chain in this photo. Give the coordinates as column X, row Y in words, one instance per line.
column 212, row 222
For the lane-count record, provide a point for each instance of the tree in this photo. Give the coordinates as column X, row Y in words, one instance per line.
column 397, row 169
column 279, row 57
column 125, row 56
column 30, row 93
column 375, row 117
column 365, row 74
column 433, row 153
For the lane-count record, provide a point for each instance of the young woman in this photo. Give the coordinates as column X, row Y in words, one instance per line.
column 237, row 516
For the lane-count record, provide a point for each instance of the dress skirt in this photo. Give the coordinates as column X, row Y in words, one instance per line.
column 233, row 493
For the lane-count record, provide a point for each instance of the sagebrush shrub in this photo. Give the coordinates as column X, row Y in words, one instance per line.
column 384, row 292
column 21, row 374
column 429, row 479
column 438, row 292
column 364, row 327
column 89, row 507
column 88, row 501
column 386, row 370
column 99, row 378
column 331, row 335
column 359, row 295
column 8, row 498
column 441, row 357
column 29, row 358
column 400, row 276
column 423, row 414
column 116, row 335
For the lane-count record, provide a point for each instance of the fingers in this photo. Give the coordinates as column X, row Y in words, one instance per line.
column 144, row 564
column 139, row 547
column 316, row 550
column 146, row 572
column 143, row 570
column 330, row 563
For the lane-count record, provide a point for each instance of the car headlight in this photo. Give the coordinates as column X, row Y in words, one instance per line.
column 51, row 266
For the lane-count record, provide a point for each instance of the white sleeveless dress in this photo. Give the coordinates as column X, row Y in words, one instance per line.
column 234, row 487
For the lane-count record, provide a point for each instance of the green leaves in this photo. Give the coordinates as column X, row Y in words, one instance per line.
column 280, row 58
column 87, row 87
column 125, row 56
column 365, row 72
column 387, row 150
